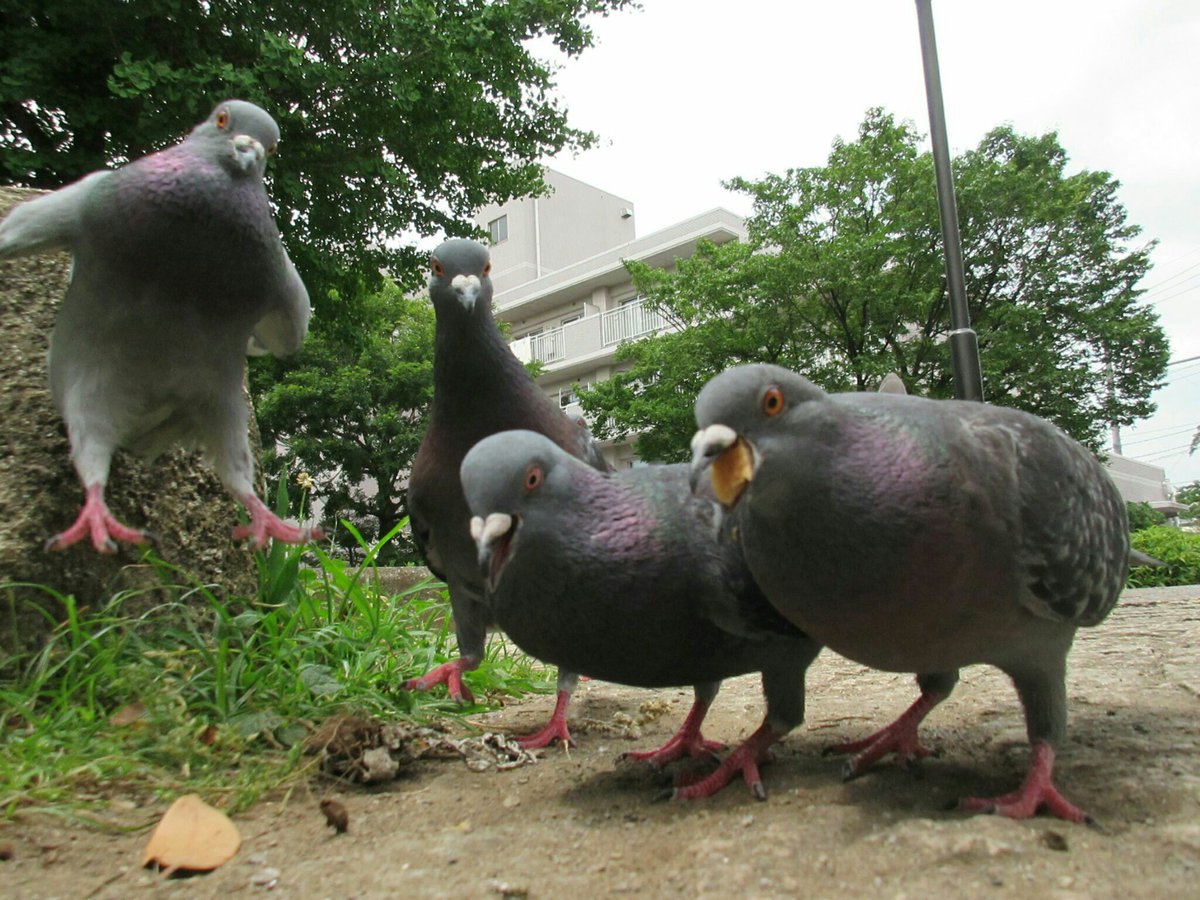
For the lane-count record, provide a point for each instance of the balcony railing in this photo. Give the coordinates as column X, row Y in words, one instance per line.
column 589, row 334
column 630, row 321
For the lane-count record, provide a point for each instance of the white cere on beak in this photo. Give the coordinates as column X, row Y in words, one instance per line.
column 713, row 439
column 467, row 287
column 485, row 531
column 250, row 152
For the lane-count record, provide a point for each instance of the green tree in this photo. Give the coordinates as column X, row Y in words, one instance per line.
column 842, row 279
column 1189, row 495
column 352, row 413
column 405, row 115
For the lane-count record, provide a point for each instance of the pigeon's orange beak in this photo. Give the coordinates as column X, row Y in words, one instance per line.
column 729, row 459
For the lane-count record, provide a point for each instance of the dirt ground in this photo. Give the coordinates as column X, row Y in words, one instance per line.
column 577, row 823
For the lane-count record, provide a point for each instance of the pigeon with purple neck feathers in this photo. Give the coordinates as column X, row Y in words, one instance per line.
column 178, row 272
column 479, row 388
column 918, row 535
column 622, row 576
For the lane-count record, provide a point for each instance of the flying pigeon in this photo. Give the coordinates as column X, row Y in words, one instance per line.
column 622, row 576
column 479, row 388
column 917, row 535
column 178, row 273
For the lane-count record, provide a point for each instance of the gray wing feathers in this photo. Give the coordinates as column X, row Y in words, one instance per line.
column 47, row 223
column 1074, row 543
column 281, row 331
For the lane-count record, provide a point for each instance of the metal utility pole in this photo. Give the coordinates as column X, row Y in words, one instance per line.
column 964, row 346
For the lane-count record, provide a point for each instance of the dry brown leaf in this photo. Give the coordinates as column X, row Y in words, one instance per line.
column 128, row 714
column 192, row 836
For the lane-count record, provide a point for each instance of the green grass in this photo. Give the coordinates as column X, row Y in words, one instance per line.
column 230, row 688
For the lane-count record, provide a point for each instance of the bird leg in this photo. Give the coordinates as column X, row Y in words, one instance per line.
column 265, row 524
column 744, row 759
column 900, row 738
column 449, row 674
column 1036, row 791
column 555, row 731
column 95, row 520
column 687, row 740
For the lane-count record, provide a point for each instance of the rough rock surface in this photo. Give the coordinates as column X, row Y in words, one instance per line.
column 177, row 497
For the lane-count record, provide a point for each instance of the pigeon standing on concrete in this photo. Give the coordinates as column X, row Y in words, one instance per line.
column 479, row 388
column 622, row 576
column 178, row 273
column 920, row 535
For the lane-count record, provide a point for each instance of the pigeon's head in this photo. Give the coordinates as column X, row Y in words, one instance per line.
column 733, row 411
column 460, row 276
column 240, row 134
column 506, row 479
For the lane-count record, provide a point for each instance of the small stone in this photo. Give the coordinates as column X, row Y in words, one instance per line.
column 1055, row 840
column 266, row 877
column 512, row 801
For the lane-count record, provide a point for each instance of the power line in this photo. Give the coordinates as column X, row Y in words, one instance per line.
column 1160, row 284
column 1187, row 429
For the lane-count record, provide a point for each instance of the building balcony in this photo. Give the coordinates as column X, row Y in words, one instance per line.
column 590, row 338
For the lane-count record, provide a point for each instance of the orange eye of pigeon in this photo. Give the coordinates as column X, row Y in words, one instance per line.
column 772, row 402
column 222, row 119
column 487, row 270
column 272, row 149
column 533, row 478
column 438, row 269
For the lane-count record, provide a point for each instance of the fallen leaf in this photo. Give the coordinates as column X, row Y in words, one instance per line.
column 208, row 736
column 192, row 836
column 128, row 714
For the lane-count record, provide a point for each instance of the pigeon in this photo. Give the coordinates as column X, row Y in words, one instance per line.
column 178, row 272
column 621, row 576
column 917, row 535
column 479, row 388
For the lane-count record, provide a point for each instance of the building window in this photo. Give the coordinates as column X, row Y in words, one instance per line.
column 498, row 229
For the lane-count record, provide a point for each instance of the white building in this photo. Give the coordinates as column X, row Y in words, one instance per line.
column 561, row 285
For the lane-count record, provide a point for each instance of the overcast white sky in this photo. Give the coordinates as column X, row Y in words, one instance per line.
column 687, row 93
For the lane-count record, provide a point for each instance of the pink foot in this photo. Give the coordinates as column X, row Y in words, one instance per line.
column 1036, row 791
column 744, row 759
column 95, row 520
column 687, row 741
column 265, row 524
column 900, row 738
column 555, row 731
column 449, row 674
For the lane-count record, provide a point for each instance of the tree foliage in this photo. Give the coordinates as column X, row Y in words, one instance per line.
column 843, row 279
column 352, row 413
column 399, row 116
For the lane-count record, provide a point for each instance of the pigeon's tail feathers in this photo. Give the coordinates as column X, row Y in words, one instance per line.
column 50, row 222
column 1138, row 558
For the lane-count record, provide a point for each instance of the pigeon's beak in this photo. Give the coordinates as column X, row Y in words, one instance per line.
column 467, row 288
column 248, row 152
column 727, row 457
column 494, row 538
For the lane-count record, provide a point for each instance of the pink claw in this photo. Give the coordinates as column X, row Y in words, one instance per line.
column 264, row 524
column 686, row 741
column 900, row 738
column 555, row 731
column 1036, row 791
column 95, row 520
column 449, row 674
column 745, row 759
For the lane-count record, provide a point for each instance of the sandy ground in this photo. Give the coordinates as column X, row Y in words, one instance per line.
column 578, row 823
